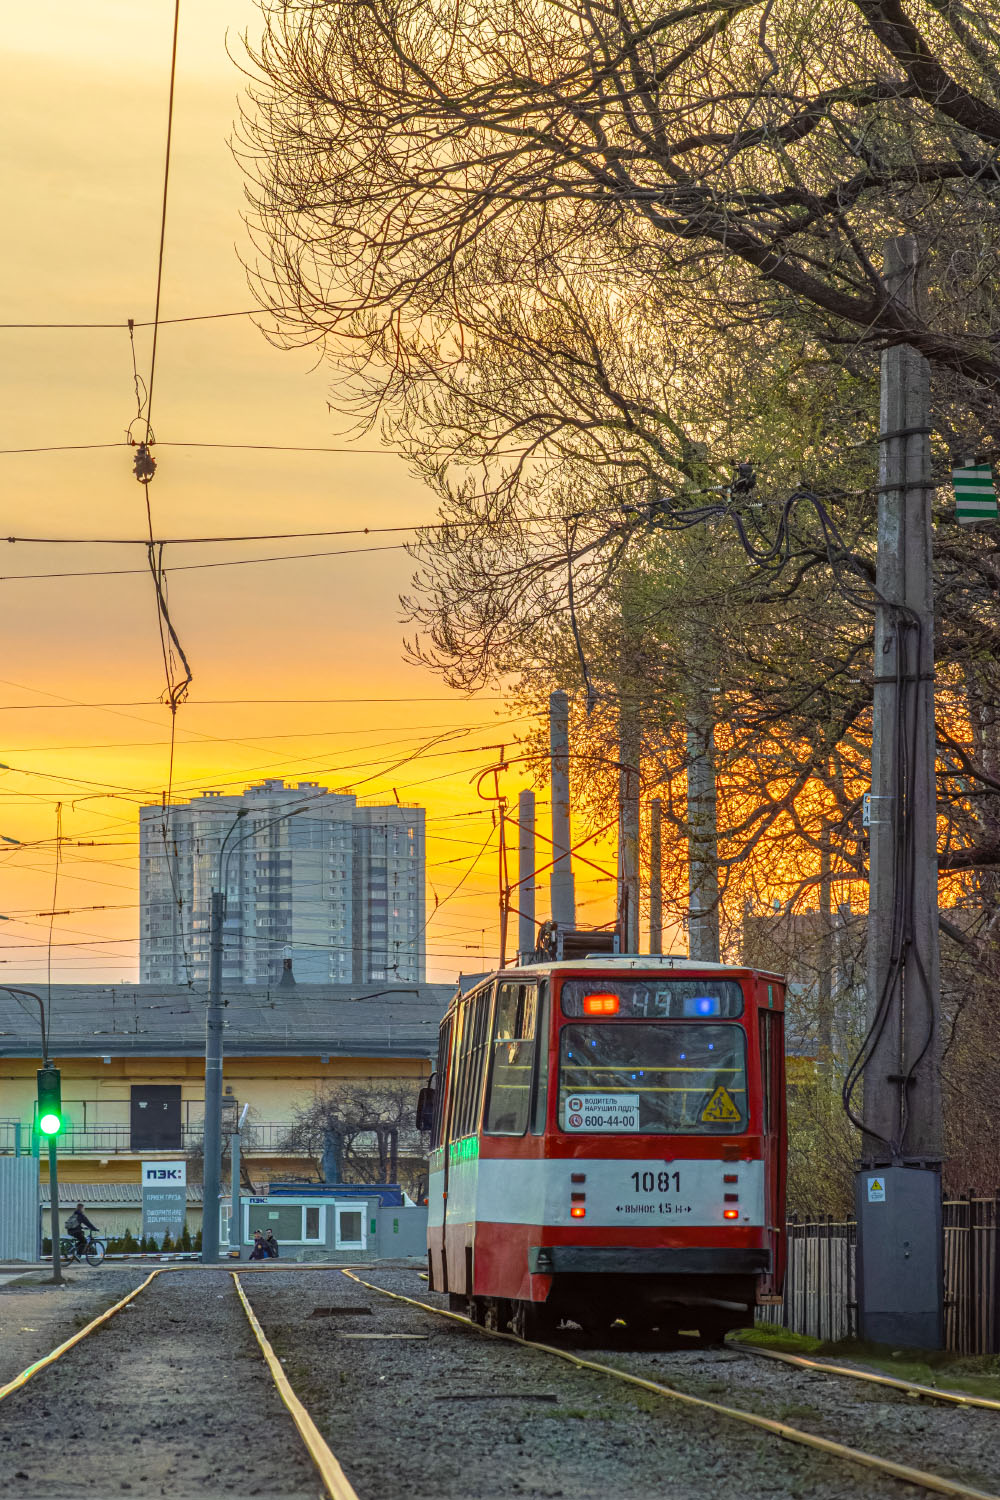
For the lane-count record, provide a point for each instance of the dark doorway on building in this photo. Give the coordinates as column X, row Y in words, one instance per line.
column 156, row 1117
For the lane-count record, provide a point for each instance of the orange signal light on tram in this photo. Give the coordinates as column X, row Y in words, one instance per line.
column 601, row 1005
column 730, row 1213
column 578, row 1211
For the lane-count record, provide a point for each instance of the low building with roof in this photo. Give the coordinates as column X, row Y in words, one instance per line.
column 133, row 1074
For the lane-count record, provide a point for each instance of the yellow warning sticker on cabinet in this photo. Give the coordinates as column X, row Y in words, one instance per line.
column 722, row 1108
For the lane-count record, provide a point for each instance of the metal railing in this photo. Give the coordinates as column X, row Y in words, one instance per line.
column 116, row 1140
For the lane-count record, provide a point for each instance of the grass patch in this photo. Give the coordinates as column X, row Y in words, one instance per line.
column 792, row 1412
column 971, row 1375
column 781, row 1340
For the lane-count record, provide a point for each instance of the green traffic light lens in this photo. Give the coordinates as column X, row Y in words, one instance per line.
column 50, row 1124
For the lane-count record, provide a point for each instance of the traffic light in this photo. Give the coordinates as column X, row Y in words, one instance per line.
column 50, row 1118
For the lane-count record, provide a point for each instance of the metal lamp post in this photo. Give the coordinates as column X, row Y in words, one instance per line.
column 212, row 1173
column 57, row 1275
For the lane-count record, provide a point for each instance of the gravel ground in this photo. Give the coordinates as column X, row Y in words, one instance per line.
column 421, row 1408
column 35, row 1317
column 170, row 1398
column 958, row 1443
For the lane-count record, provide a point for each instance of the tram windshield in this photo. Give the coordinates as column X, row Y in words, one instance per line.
column 653, row 1080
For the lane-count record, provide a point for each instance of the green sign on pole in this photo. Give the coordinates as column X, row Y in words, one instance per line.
column 975, row 494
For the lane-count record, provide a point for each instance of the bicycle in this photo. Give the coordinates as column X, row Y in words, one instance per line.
column 93, row 1251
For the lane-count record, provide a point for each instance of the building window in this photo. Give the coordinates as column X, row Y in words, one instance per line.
column 290, row 1223
column 350, row 1228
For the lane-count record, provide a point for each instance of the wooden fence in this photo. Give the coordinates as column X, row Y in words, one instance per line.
column 820, row 1296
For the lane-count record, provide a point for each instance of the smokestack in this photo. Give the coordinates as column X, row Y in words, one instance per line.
column 561, row 882
column 526, row 877
column 628, row 829
column 703, row 855
column 655, row 881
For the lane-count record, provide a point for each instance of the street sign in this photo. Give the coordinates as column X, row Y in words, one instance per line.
column 975, row 493
column 164, row 1198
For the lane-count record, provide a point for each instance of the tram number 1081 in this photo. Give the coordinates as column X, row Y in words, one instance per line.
column 658, row 1182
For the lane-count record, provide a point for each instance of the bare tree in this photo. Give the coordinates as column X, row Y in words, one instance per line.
column 367, row 1127
column 749, row 156
column 579, row 263
column 249, row 1139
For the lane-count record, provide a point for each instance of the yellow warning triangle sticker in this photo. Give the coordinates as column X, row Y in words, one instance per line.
column 875, row 1185
column 721, row 1108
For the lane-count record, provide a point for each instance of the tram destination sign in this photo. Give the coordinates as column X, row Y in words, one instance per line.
column 601, row 1112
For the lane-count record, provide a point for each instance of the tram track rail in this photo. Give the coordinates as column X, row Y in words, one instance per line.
column 335, row 1481
column 905, row 1473
column 872, row 1377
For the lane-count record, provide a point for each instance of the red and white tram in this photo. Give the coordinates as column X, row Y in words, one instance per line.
column 609, row 1142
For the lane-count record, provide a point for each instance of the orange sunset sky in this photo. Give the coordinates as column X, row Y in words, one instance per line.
column 85, row 94
column 83, row 161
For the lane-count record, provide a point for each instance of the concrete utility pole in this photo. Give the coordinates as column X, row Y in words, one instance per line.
column 629, row 750
column 655, row 876
column 900, row 1287
column 703, row 850
column 561, row 879
column 211, row 1174
column 824, row 1006
column 235, row 1144
column 526, row 876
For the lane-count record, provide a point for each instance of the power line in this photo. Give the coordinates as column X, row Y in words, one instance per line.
column 232, row 562
column 222, row 739
column 272, row 536
column 163, row 216
column 238, row 447
column 247, row 312
column 266, row 536
column 235, row 702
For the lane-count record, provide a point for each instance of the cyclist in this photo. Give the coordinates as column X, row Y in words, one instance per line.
column 75, row 1225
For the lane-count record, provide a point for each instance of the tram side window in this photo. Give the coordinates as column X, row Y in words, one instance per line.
column 513, row 1058
column 772, row 1068
column 539, row 1110
column 471, row 1064
column 443, row 1082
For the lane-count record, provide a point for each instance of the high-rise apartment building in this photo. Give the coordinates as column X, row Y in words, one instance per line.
column 309, row 876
